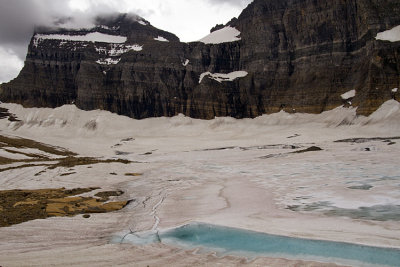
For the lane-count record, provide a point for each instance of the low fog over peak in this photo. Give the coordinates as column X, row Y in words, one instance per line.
column 190, row 20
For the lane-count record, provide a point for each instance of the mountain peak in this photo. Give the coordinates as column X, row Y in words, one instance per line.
column 291, row 55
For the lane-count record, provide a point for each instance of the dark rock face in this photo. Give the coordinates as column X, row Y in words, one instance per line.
column 300, row 56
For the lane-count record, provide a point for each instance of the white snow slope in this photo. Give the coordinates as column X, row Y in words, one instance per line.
column 225, row 171
column 392, row 35
column 224, row 35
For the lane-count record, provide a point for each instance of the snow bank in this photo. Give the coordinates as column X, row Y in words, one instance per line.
column 69, row 116
column 90, row 37
column 225, row 35
column 348, row 95
column 392, row 35
column 222, row 77
column 161, row 39
column 388, row 113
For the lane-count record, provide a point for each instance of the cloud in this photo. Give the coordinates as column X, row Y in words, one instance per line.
column 239, row 3
column 10, row 67
column 189, row 19
column 18, row 19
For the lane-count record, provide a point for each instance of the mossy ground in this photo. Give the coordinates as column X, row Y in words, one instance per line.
column 17, row 206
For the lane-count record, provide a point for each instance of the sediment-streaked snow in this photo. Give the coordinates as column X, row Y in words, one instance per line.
column 90, row 37
column 223, row 77
column 392, row 35
column 349, row 94
column 224, row 35
column 161, row 39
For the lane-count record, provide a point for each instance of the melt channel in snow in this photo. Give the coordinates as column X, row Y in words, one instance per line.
column 224, row 35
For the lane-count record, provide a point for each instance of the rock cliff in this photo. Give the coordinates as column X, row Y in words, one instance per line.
column 295, row 55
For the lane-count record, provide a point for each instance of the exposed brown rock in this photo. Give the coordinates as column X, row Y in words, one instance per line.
column 17, row 206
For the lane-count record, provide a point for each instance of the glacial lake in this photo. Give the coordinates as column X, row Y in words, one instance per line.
column 250, row 244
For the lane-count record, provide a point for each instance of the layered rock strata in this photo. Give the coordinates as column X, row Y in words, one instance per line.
column 292, row 55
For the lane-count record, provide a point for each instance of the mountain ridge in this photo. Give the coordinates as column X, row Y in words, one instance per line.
column 298, row 56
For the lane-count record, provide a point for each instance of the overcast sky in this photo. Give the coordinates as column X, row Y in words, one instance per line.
column 190, row 20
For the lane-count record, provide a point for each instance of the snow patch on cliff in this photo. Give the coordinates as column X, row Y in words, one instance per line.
column 115, row 50
column 161, row 39
column 94, row 37
column 392, row 35
column 224, row 35
column 114, row 28
column 222, row 77
column 108, row 61
column 143, row 22
column 349, row 94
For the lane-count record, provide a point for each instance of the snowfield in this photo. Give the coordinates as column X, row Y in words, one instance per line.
column 223, row 77
column 392, row 35
column 161, row 39
column 90, row 37
column 254, row 174
column 224, row 35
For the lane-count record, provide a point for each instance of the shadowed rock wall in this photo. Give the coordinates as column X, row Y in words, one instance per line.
column 300, row 55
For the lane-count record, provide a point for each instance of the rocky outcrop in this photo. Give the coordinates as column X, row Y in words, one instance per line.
column 295, row 55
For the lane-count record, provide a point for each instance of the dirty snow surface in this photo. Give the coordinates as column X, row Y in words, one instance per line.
column 224, row 35
column 297, row 175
